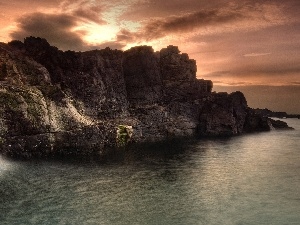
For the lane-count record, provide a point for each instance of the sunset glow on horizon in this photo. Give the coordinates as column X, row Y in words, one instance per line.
column 235, row 43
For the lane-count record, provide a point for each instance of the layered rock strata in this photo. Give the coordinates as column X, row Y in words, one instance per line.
column 55, row 102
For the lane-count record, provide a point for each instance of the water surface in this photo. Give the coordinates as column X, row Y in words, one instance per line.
column 249, row 179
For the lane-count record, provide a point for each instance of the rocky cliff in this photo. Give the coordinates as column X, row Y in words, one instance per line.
column 55, row 102
column 268, row 113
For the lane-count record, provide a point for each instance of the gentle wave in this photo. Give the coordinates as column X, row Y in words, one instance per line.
column 249, row 179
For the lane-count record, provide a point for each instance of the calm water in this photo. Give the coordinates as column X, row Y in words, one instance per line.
column 250, row 179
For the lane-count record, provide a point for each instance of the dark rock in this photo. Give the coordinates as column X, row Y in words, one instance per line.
column 178, row 74
column 269, row 113
column 54, row 102
column 142, row 75
column 94, row 78
column 223, row 115
column 255, row 122
column 279, row 124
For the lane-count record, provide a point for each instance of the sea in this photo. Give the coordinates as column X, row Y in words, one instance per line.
column 252, row 179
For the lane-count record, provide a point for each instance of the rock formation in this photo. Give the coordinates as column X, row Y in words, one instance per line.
column 55, row 102
column 269, row 113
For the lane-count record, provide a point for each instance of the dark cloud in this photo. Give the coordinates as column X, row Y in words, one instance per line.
column 57, row 29
column 156, row 8
column 125, row 36
column 233, row 16
column 66, row 5
column 160, row 9
column 187, row 23
column 158, row 28
column 62, row 28
column 90, row 14
column 86, row 10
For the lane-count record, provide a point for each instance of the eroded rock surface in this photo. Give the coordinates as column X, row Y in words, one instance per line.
column 55, row 102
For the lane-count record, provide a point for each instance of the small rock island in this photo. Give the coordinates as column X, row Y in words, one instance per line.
column 55, row 102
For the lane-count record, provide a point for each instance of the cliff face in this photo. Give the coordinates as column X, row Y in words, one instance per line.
column 55, row 102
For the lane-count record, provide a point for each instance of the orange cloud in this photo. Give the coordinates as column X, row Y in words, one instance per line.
column 56, row 28
column 248, row 41
column 229, row 18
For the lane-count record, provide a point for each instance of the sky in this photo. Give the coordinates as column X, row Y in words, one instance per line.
column 250, row 45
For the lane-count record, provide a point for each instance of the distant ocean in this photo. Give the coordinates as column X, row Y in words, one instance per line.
column 243, row 180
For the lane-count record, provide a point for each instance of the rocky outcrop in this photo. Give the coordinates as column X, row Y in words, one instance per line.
column 255, row 122
column 142, row 76
column 55, row 102
column 269, row 113
column 279, row 124
column 179, row 76
column 95, row 78
column 223, row 114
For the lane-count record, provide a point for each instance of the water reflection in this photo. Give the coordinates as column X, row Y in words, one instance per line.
column 240, row 180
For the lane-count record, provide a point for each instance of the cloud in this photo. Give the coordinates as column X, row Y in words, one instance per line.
column 155, row 20
column 125, row 36
column 230, row 83
column 256, row 54
column 295, row 83
column 158, row 28
column 188, row 23
column 90, row 14
column 272, row 73
column 268, row 70
column 64, row 28
column 141, row 9
column 218, row 74
column 84, row 9
column 57, row 29
column 244, row 16
column 237, row 83
column 279, row 70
